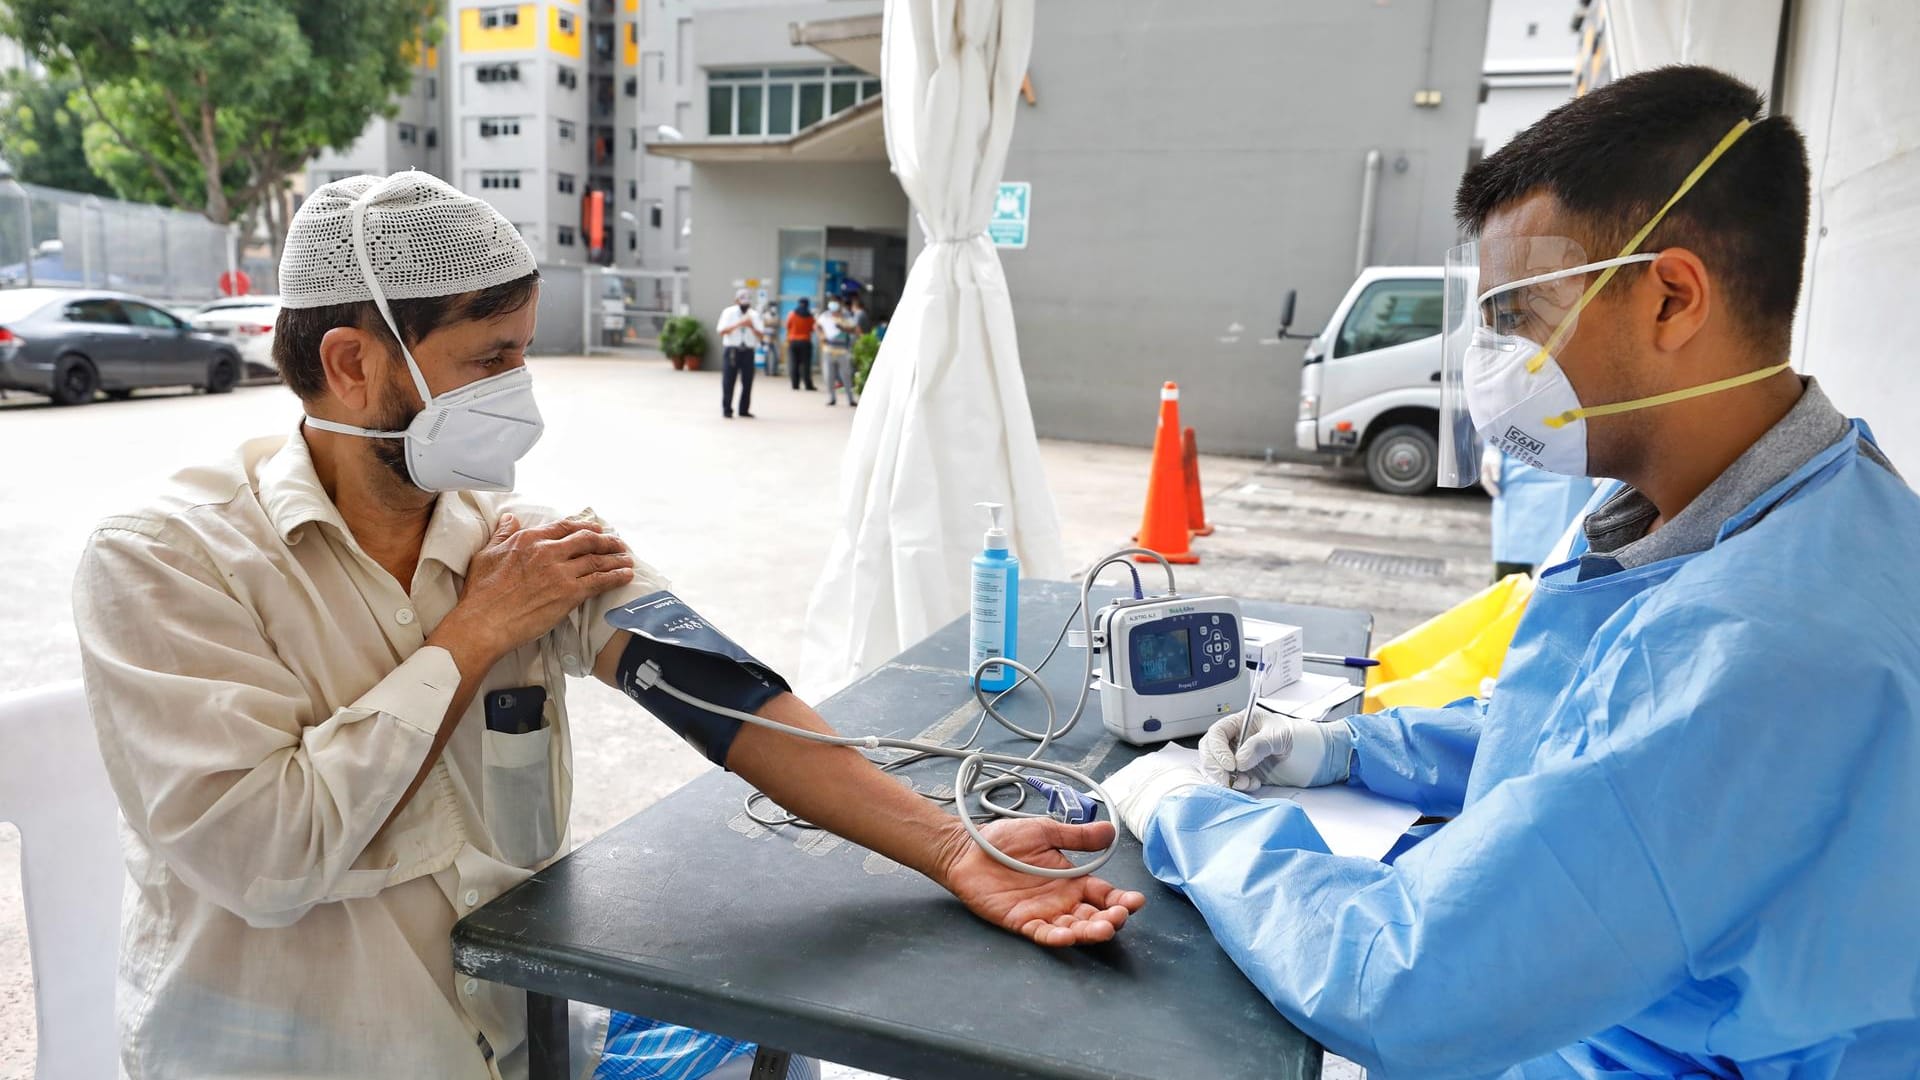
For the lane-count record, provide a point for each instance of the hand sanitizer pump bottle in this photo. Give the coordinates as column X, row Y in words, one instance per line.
column 995, row 625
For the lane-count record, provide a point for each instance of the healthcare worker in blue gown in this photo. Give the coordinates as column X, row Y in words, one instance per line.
column 1531, row 509
column 1683, row 835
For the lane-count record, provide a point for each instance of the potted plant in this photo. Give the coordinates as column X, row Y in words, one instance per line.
column 865, row 348
column 684, row 341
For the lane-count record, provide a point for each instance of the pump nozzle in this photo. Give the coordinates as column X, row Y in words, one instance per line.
column 996, row 538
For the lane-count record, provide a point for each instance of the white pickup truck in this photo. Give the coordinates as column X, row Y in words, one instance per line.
column 1370, row 381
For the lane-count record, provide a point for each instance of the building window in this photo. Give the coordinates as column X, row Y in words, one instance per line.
column 494, row 73
column 758, row 102
column 633, row 138
column 633, row 240
column 568, row 77
column 566, row 131
column 632, row 86
column 499, row 18
column 566, row 23
column 433, row 87
column 564, row 235
column 433, row 138
column 493, row 126
column 409, row 134
column 500, row 179
column 566, row 183
column 633, row 190
column 654, row 214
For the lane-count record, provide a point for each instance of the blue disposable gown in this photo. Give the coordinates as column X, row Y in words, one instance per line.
column 1533, row 508
column 1683, row 837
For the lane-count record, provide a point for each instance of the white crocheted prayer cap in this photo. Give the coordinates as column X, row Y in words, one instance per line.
column 422, row 237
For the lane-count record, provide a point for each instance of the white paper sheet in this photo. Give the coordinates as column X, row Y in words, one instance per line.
column 1353, row 821
column 1312, row 696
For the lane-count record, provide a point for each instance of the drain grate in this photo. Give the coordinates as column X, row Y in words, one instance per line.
column 1381, row 563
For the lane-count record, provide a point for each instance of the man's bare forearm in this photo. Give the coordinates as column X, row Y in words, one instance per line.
column 834, row 787
column 838, row 789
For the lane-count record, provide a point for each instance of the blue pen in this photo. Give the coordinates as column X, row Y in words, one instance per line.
column 1345, row 661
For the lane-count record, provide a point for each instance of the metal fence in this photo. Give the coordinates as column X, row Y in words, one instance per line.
column 50, row 237
column 625, row 309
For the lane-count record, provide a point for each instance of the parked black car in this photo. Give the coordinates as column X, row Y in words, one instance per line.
column 71, row 343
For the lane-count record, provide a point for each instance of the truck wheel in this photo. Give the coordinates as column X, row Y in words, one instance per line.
column 1404, row 460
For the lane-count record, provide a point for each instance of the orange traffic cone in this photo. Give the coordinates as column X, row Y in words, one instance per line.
column 1196, row 502
column 1163, row 528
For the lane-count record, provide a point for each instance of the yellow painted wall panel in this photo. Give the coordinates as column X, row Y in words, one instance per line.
column 561, row 41
column 475, row 38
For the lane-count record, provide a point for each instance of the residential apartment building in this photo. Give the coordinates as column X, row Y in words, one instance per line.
column 519, row 105
column 534, row 106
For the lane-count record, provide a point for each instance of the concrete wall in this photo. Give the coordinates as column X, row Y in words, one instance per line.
column 1191, row 163
column 739, row 210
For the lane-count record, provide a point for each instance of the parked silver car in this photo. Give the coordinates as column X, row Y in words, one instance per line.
column 247, row 322
column 71, row 344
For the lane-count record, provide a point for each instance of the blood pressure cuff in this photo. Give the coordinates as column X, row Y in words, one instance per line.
column 699, row 661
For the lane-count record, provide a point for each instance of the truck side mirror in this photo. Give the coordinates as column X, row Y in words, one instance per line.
column 1286, row 311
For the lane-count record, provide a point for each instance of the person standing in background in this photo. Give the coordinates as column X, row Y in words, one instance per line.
column 1531, row 509
column 800, row 330
column 740, row 330
column 862, row 322
column 836, row 361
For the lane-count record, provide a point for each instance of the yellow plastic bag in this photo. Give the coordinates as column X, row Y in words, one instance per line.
column 1445, row 658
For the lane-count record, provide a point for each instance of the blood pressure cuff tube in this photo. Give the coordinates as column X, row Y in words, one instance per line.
column 699, row 661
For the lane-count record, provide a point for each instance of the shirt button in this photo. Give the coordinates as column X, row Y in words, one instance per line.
column 404, row 616
column 571, row 665
column 472, row 987
column 472, row 897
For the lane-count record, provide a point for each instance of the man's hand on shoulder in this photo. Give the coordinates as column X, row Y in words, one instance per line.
column 524, row 581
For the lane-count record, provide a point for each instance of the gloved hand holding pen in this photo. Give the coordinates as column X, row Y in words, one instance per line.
column 1256, row 747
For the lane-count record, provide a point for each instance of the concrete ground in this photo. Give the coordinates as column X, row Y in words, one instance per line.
column 737, row 513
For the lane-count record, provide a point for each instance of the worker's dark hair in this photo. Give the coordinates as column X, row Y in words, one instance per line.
column 1614, row 156
column 297, row 333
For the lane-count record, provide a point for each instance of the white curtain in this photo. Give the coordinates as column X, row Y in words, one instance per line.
column 945, row 422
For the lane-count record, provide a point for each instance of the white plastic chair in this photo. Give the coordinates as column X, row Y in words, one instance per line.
column 53, row 788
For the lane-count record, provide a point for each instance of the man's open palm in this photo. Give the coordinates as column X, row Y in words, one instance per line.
column 1051, row 911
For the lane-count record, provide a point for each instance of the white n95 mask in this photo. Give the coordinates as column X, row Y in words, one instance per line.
column 1509, row 405
column 467, row 439
column 412, row 235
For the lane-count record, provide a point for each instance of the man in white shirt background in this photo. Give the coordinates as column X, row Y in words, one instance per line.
column 741, row 331
column 296, row 661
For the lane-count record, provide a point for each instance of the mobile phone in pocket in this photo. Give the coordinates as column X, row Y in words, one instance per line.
column 517, row 711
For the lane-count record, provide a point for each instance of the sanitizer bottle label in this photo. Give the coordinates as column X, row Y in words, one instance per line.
column 989, row 623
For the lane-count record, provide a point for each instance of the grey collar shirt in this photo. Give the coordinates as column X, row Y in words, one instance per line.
column 1617, row 533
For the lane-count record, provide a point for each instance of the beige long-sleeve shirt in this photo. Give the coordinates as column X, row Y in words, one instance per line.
column 263, row 698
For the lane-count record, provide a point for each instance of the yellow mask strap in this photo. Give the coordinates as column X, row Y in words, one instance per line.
column 1557, row 338
column 1668, row 398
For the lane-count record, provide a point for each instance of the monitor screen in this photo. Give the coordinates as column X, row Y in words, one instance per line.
column 1163, row 656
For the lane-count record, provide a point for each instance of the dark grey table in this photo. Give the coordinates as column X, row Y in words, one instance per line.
column 690, row 913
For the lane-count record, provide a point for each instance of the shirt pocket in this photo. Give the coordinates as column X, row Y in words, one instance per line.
column 517, row 786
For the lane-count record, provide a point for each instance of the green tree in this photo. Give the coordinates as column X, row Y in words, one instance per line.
column 42, row 138
column 212, row 104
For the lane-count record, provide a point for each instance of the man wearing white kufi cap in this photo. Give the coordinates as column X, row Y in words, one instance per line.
column 329, row 681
